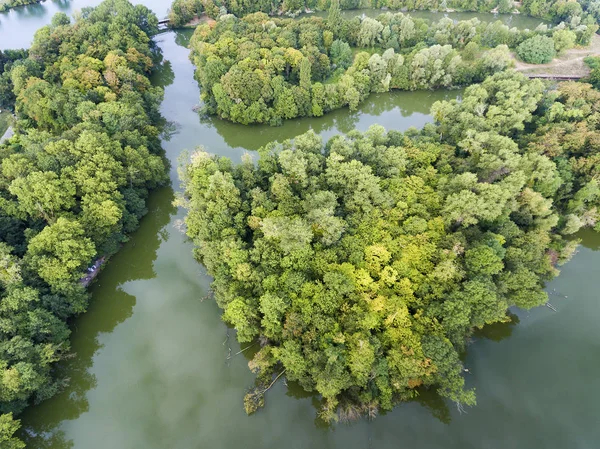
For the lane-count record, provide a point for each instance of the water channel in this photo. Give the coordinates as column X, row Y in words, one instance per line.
column 151, row 370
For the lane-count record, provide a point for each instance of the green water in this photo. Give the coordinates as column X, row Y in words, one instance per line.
column 151, row 369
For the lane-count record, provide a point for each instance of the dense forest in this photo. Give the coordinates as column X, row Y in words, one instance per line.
column 359, row 266
column 73, row 181
column 585, row 12
column 363, row 264
column 259, row 69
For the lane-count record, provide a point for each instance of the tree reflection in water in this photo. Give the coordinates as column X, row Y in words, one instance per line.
column 110, row 305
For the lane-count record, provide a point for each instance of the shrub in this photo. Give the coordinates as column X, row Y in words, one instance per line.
column 563, row 40
column 537, row 50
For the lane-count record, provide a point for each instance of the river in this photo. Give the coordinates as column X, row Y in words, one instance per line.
column 151, row 367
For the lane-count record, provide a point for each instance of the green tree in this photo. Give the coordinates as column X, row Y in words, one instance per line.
column 8, row 427
column 60, row 253
column 537, row 50
column 563, row 40
column 334, row 17
column 74, row 180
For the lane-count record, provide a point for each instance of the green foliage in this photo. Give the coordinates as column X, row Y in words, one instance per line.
column 363, row 265
column 341, row 54
column 6, row 121
column 506, row 6
column 250, row 69
column 537, row 50
column 563, row 40
column 594, row 64
column 8, row 427
column 581, row 17
column 9, row 58
column 556, row 10
column 182, row 11
column 334, row 18
column 73, row 181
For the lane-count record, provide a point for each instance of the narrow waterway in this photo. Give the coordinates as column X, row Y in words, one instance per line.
column 151, row 368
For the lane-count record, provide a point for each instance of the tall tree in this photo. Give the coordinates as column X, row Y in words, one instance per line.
column 334, row 17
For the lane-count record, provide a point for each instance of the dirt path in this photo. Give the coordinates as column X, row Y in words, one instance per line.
column 568, row 64
column 202, row 18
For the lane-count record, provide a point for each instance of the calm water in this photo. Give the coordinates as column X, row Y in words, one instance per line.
column 17, row 26
column 151, row 368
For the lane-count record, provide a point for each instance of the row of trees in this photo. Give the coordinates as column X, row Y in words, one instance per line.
column 578, row 13
column 184, row 10
column 5, row 5
column 575, row 13
column 73, row 180
column 363, row 264
column 258, row 69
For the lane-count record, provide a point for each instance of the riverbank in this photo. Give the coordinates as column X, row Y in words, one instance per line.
column 5, row 5
column 151, row 359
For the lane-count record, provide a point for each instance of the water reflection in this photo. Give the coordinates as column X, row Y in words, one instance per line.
column 498, row 331
column 18, row 25
column 111, row 305
column 163, row 75
column 588, row 238
column 162, row 378
column 183, row 37
column 393, row 110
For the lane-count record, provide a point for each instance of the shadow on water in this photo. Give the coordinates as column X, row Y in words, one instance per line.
column 183, row 37
column 182, row 399
column 163, row 74
column 498, row 331
column 588, row 238
column 110, row 306
column 63, row 5
column 393, row 110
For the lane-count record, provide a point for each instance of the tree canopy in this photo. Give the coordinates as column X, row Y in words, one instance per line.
column 259, row 69
column 537, row 50
column 586, row 13
column 363, row 264
column 73, row 180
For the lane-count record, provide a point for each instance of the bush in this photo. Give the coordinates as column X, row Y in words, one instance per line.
column 537, row 50
column 593, row 62
column 563, row 40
